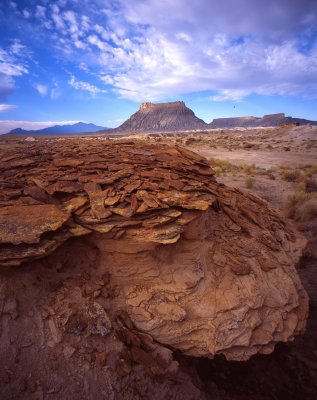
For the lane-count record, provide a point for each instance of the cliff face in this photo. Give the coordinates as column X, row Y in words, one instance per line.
column 250, row 122
column 162, row 117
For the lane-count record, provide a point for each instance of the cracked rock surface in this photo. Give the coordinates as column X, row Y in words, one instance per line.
column 196, row 266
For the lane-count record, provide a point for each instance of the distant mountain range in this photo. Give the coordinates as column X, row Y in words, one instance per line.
column 79, row 127
column 175, row 116
column 167, row 117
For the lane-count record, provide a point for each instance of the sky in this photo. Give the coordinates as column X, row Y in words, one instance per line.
column 64, row 61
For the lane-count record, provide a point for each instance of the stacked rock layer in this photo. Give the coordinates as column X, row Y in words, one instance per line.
column 201, row 267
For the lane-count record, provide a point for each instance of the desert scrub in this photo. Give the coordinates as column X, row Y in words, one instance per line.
column 249, row 182
column 223, row 166
column 248, row 169
column 310, row 170
column 291, row 175
column 301, row 205
column 307, row 211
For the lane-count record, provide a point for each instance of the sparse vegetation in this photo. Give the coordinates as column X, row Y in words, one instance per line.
column 248, row 169
column 307, row 210
column 291, row 175
column 302, row 205
column 249, row 182
column 225, row 166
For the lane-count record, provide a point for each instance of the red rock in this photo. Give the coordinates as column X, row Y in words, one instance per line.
column 26, row 224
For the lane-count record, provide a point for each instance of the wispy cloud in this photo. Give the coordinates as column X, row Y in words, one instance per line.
column 88, row 87
column 42, row 89
column 150, row 50
column 12, row 65
column 9, row 62
column 7, row 107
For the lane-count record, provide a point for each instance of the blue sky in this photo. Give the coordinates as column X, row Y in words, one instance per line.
column 96, row 60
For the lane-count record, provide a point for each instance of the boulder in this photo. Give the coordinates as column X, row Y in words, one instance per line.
column 198, row 266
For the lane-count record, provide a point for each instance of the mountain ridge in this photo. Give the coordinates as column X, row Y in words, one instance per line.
column 176, row 116
column 79, row 127
column 265, row 121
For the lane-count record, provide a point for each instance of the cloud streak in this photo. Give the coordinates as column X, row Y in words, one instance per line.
column 88, row 87
column 12, row 66
column 7, row 107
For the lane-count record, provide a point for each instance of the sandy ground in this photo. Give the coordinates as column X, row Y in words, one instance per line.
column 261, row 158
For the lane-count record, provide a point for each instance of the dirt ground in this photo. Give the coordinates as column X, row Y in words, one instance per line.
column 291, row 371
column 38, row 364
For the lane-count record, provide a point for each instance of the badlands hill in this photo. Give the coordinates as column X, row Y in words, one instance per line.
column 173, row 116
column 250, row 122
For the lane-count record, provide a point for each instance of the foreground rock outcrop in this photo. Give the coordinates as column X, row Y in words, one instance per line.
column 196, row 266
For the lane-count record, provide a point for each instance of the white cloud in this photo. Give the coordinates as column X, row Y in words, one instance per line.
column 12, row 64
column 9, row 64
column 6, row 86
column 17, row 48
column 40, row 11
column 7, row 125
column 42, row 89
column 230, row 95
column 95, row 40
column 7, row 107
column 80, row 85
column 55, row 93
column 150, row 50
column 57, row 18
column 26, row 13
column 70, row 17
column 183, row 36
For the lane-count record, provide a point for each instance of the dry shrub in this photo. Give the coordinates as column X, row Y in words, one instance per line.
column 307, row 211
column 248, row 169
column 249, row 182
column 311, row 184
column 291, row 175
column 296, row 201
column 223, row 166
column 310, row 170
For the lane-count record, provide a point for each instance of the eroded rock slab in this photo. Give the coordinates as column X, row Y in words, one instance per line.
column 198, row 266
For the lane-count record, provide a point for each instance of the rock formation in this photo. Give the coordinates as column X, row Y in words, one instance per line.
column 197, row 266
column 250, row 122
column 162, row 117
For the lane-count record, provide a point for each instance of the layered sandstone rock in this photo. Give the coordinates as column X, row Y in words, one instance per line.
column 199, row 267
column 162, row 117
column 250, row 122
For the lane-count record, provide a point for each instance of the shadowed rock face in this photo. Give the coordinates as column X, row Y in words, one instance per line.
column 162, row 117
column 200, row 267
